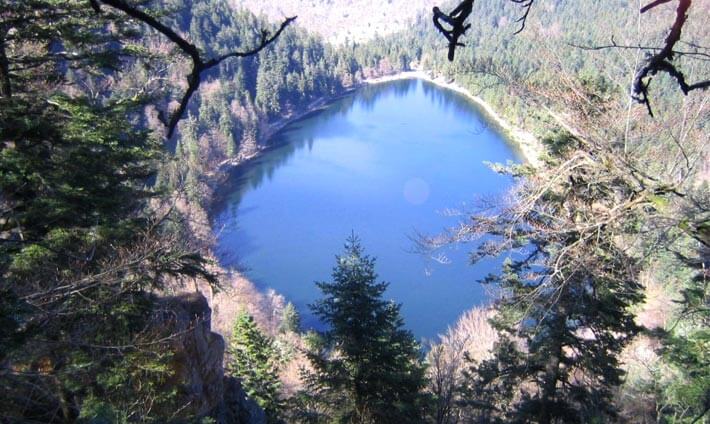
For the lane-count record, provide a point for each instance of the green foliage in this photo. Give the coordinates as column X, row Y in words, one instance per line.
column 290, row 319
column 689, row 394
column 686, row 347
column 491, row 385
column 78, row 238
column 254, row 360
column 366, row 366
column 559, row 143
column 565, row 313
column 80, row 248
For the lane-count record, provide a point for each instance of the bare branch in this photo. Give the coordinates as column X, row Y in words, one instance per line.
column 614, row 45
column 199, row 65
column 661, row 61
column 654, row 4
column 527, row 6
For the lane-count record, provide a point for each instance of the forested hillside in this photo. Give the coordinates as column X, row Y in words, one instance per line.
column 240, row 104
column 343, row 22
column 110, row 292
column 103, row 217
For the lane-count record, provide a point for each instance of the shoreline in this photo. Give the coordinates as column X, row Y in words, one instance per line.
column 272, row 128
column 529, row 145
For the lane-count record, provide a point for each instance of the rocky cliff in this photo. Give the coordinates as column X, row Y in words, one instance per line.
column 198, row 363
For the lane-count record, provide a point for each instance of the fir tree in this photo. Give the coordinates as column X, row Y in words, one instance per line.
column 367, row 368
column 567, row 301
column 290, row 319
column 254, row 360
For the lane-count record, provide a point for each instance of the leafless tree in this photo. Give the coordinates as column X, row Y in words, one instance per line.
column 470, row 339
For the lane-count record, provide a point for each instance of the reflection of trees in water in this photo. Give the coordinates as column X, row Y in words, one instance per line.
column 473, row 113
column 369, row 95
column 450, row 100
column 251, row 175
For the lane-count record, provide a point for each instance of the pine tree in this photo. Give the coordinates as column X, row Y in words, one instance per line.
column 290, row 319
column 367, row 368
column 686, row 347
column 254, row 360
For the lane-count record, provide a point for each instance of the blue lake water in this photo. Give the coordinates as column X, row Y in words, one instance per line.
column 385, row 162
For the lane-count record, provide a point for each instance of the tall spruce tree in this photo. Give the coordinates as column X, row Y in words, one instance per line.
column 367, row 367
column 254, row 360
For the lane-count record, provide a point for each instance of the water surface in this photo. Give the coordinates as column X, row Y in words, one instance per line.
column 385, row 163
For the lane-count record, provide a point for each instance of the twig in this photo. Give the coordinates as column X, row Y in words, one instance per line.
column 527, row 5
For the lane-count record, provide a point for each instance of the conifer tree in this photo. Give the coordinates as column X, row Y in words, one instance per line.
column 82, row 251
column 290, row 319
column 367, row 368
column 686, row 347
column 254, row 360
column 75, row 236
column 566, row 302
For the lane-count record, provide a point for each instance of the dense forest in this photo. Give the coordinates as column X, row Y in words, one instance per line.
column 113, row 307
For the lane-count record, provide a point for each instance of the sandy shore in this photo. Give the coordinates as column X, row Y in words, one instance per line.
column 528, row 144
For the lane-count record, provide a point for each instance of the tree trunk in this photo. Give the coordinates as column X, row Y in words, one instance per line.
column 5, row 87
column 549, row 389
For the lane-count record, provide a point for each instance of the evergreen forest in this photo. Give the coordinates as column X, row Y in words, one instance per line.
column 121, row 122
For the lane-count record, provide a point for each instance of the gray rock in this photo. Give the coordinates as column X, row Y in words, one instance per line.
column 198, row 363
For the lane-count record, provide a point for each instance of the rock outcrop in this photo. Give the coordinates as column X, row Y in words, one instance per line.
column 198, row 363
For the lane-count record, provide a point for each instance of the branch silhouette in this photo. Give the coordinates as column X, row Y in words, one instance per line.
column 698, row 55
column 527, row 5
column 659, row 59
column 199, row 65
column 662, row 61
column 457, row 20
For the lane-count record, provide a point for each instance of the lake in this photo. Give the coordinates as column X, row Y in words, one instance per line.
column 387, row 162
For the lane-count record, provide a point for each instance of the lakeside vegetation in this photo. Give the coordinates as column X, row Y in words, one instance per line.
column 616, row 220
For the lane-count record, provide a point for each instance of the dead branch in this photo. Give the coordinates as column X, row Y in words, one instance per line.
column 662, row 61
column 457, row 20
column 199, row 65
column 614, row 45
column 527, row 6
column 654, row 4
